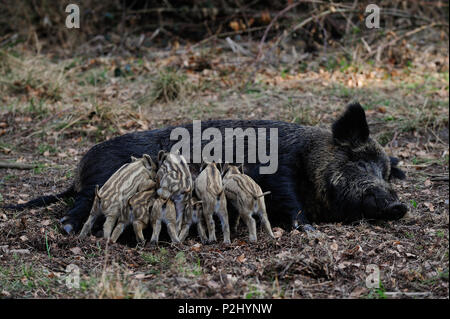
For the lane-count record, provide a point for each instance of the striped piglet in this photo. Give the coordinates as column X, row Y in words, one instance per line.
column 112, row 198
column 247, row 197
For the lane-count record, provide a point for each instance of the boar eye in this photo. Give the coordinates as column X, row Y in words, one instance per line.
column 361, row 165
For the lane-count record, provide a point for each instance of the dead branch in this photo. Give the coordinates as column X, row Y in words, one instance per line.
column 15, row 165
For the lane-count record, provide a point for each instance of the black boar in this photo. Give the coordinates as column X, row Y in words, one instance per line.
column 322, row 176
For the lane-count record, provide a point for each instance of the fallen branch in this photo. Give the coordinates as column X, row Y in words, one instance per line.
column 440, row 179
column 15, row 165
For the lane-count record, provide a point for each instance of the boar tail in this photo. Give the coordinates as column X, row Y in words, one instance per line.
column 43, row 200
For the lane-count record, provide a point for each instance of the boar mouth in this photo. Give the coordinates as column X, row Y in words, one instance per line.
column 395, row 211
column 381, row 205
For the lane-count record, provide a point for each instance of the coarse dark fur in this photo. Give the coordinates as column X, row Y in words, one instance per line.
column 322, row 176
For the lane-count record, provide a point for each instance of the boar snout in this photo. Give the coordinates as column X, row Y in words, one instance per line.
column 383, row 204
column 395, row 211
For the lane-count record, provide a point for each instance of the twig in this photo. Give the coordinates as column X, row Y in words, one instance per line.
column 298, row 26
column 405, row 35
column 440, row 179
column 226, row 34
column 263, row 39
column 15, row 165
column 236, row 48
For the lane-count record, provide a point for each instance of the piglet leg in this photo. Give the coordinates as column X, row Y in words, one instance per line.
column 251, row 225
column 138, row 227
column 156, row 230
column 118, row 230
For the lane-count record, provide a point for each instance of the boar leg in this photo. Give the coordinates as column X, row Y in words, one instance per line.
column 72, row 221
column 251, row 225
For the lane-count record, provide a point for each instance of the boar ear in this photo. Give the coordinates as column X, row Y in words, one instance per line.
column 395, row 171
column 352, row 126
column 96, row 191
column 133, row 159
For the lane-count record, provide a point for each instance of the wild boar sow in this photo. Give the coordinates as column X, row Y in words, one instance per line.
column 322, row 175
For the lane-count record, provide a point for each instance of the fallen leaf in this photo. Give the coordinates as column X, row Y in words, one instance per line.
column 241, row 243
column 234, row 25
column 46, row 222
column 334, row 246
column 278, row 232
column 140, row 276
column 72, row 151
column 382, row 109
column 429, row 206
column 196, row 247
column 283, row 254
column 241, row 258
column 213, row 284
column 357, row 292
column 76, row 250
column 265, row 16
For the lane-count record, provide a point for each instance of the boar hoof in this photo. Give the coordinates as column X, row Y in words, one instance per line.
column 68, row 228
column 396, row 211
column 308, row 228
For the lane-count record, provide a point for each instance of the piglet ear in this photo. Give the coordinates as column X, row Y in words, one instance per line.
column 395, row 171
column 161, row 156
column 351, row 128
column 225, row 168
column 150, row 161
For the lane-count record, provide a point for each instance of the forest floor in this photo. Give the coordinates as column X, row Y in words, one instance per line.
column 53, row 110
